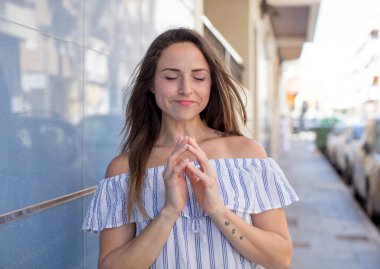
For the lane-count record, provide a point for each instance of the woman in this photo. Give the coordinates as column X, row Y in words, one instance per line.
column 188, row 190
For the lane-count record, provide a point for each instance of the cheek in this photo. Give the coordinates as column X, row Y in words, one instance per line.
column 206, row 97
column 159, row 89
column 163, row 92
column 205, row 94
column 160, row 99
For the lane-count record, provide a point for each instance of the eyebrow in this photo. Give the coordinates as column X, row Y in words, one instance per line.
column 177, row 70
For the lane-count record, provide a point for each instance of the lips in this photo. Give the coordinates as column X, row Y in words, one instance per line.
column 185, row 103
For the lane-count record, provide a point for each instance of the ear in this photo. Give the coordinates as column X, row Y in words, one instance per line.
column 152, row 90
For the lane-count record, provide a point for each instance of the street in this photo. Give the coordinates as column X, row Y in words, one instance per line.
column 328, row 227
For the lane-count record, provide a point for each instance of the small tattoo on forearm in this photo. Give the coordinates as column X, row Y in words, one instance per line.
column 227, row 223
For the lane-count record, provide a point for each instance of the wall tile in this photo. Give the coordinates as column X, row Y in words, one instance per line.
column 50, row 239
column 41, row 101
column 59, row 19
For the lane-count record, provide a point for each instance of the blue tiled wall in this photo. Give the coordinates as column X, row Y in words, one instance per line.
column 63, row 66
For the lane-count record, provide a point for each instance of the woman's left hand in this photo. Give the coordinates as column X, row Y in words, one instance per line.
column 203, row 181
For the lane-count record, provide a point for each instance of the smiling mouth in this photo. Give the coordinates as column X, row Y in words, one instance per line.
column 185, row 102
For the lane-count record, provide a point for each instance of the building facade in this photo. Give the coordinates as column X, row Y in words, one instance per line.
column 63, row 67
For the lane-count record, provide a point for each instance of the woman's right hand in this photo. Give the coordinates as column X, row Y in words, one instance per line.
column 174, row 178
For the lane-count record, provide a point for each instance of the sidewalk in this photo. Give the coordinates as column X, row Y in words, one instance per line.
column 328, row 228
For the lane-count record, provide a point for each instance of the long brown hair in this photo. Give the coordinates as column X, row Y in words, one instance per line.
column 143, row 116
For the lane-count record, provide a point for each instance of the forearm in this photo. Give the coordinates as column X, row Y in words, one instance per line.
column 144, row 248
column 263, row 247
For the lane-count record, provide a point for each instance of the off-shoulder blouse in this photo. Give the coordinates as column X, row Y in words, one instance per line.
column 246, row 186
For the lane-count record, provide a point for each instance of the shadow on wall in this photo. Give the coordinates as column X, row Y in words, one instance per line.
column 101, row 137
column 42, row 157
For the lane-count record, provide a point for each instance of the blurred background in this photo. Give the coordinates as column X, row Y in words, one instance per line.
column 310, row 69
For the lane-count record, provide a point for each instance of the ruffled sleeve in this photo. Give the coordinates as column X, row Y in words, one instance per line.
column 250, row 186
column 272, row 189
column 108, row 205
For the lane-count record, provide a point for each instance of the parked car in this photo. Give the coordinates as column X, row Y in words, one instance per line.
column 101, row 136
column 366, row 168
column 345, row 151
column 41, row 159
column 334, row 139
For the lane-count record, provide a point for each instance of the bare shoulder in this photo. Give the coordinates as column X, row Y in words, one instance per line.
column 118, row 165
column 245, row 147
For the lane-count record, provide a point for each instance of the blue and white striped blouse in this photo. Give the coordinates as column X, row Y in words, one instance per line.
column 247, row 186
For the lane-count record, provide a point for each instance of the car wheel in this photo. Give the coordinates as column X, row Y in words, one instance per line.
column 369, row 206
column 347, row 174
column 370, row 202
column 353, row 191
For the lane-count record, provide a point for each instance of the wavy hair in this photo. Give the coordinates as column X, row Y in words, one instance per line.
column 143, row 117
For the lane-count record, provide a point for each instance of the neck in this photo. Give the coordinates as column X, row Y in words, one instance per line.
column 171, row 131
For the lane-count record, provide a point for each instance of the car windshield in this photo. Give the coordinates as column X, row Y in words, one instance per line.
column 357, row 132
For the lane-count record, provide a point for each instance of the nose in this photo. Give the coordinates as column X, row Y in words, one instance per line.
column 185, row 87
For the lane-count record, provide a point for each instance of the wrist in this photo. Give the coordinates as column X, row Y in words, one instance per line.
column 169, row 214
column 218, row 212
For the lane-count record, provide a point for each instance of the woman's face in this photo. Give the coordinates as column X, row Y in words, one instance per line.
column 182, row 82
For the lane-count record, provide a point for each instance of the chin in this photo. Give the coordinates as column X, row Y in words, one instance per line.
column 180, row 118
column 182, row 115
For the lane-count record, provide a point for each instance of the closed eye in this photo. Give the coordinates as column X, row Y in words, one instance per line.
column 200, row 79
column 171, row 78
